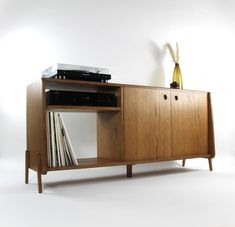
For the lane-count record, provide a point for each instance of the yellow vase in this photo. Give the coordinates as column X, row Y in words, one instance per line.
column 177, row 77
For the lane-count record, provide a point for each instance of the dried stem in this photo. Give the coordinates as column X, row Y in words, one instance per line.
column 174, row 54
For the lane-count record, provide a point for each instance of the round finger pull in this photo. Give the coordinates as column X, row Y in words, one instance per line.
column 176, row 97
column 165, row 97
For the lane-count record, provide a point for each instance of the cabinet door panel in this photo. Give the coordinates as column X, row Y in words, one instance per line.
column 189, row 123
column 164, row 125
column 203, row 123
column 140, row 114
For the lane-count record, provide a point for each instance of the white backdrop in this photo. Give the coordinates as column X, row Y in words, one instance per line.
column 126, row 36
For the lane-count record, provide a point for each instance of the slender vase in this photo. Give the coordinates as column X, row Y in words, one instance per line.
column 177, row 77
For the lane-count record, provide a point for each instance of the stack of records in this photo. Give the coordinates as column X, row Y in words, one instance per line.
column 60, row 150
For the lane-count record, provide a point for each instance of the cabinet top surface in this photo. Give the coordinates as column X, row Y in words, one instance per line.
column 100, row 84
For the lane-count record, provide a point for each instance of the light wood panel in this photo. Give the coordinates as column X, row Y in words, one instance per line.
column 65, row 108
column 140, row 118
column 211, row 139
column 203, row 124
column 110, row 136
column 164, row 125
column 36, row 125
column 189, row 123
column 110, row 132
column 101, row 162
column 89, row 163
column 81, row 85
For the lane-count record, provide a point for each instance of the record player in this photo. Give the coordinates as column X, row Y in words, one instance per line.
column 77, row 72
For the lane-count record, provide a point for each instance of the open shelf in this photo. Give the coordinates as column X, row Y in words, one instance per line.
column 89, row 163
column 73, row 86
column 100, row 162
column 79, row 85
column 65, row 108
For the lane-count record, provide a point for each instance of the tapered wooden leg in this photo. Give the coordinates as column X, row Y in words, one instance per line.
column 39, row 174
column 27, row 167
column 129, row 170
column 210, row 164
column 183, row 162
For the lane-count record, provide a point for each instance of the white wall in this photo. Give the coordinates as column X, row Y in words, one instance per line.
column 126, row 36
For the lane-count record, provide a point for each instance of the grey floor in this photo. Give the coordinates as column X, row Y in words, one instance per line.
column 159, row 194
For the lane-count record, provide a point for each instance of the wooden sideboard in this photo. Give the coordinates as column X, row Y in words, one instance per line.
column 149, row 124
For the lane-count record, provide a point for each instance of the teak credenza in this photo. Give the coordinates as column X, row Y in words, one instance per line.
column 149, row 124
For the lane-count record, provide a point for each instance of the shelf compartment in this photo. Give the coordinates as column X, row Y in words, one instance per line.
column 78, row 85
column 83, row 86
column 88, row 163
column 100, row 162
column 65, row 108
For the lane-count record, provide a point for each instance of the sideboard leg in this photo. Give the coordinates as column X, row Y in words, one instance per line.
column 210, row 164
column 183, row 162
column 129, row 170
column 39, row 173
column 27, row 164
